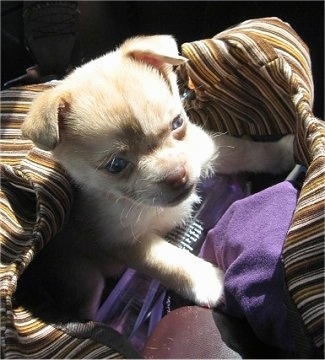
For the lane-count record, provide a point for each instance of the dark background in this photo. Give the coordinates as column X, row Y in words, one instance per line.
column 105, row 24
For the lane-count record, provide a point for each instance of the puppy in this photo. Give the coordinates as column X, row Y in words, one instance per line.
column 118, row 127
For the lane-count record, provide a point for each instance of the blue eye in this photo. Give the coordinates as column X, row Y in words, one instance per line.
column 177, row 122
column 116, row 165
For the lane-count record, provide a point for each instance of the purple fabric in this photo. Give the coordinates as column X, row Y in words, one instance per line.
column 247, row 244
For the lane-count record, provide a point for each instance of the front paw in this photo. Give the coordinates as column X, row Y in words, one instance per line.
column 207, row 285
column 286, row 156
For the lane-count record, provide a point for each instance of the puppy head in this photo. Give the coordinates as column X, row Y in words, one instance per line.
column 118, row 126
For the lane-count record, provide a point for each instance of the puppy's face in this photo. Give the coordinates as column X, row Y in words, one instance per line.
column 118, row 126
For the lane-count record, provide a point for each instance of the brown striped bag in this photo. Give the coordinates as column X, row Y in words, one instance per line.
column 253, row 79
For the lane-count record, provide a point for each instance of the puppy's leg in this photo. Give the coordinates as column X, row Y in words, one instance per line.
column 236, row 155
column 178, row 269
column 61, row 283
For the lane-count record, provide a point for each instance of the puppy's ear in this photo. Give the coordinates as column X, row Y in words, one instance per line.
column 159, row 51
column 46, row 114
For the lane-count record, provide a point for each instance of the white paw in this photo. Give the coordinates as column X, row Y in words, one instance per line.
column 286, row 156
column 207, row 285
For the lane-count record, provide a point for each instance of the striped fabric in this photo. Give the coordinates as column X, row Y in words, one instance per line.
column 303, row 253
column 244, row 78
column 255, row 79
column 35, row 201
column 31, row 338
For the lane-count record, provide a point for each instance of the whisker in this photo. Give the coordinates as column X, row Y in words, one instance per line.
column 217, row 134
column 226, row 147
column 92, row 151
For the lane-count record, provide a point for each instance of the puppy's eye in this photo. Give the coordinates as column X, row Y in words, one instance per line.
column 116, row 165
column 177, row 122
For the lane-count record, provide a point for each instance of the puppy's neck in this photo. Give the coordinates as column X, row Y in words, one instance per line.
column 124, row 219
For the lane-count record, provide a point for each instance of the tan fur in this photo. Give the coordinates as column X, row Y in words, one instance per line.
column 124, row 105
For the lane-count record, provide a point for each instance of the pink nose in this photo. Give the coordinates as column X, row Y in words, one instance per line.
column 177, row 178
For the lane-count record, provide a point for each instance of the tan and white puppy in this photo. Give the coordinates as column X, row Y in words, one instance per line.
column 118, row 127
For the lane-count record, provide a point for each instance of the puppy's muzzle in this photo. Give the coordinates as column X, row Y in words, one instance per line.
column 177, row 185
column 177, row 178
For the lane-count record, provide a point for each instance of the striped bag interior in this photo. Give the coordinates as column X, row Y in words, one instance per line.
column 252, row 79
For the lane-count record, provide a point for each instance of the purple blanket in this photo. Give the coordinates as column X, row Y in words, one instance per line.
column 247, row 244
